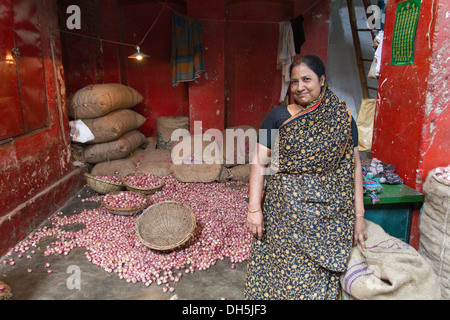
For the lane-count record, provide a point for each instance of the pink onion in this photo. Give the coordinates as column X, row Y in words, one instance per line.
column 112, row 244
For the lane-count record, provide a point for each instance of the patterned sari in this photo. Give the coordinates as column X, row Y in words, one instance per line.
column 308, row 207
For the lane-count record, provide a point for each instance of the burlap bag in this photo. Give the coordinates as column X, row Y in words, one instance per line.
column 156, row 161
column 364, row 121
column 196, row 172
column 238, row 144
column 240, row 173
column 120, row 167
column 161, row 169
column 97, row 100
column 200, row 148
column 389, row 269
column 151, row 143
column 156, row 155
column 435, row 229
column 224, row 175
column 165, row 126
column 136, row 156
column 196, row 158
column 113, row 125
column 114, row 150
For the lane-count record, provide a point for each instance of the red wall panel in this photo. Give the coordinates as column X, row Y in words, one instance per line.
column 11, row 119
column 152, row 76
column 253, row 83
column 36, row 173
column 411, row 121
column 29, row 64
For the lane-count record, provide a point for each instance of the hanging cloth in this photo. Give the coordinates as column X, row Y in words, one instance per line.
column 187, row 49
column 299, row 33
column 286, row 54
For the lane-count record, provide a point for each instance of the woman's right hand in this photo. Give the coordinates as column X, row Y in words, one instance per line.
column 255, row 223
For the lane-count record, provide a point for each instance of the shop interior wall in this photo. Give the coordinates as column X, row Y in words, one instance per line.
column 411, row 122
column 241, row 82
column 36, row 172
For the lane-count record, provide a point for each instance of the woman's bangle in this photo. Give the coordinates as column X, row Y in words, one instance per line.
column 359, row 215
column 253, row 211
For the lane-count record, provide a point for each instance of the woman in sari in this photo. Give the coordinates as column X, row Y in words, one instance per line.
column 313, row 211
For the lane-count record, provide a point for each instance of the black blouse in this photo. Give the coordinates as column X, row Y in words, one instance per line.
column 275, row 119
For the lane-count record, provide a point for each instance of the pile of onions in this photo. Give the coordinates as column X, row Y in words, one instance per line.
column 124, row 200
column 111, row 242
column 143, row 180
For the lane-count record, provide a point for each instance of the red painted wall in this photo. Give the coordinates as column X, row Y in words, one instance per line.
column 240, row 84
column 411, row 121
column 206, row 95
column 152, row 76
column 36, row 173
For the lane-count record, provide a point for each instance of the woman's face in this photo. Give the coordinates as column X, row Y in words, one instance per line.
column 305, row 84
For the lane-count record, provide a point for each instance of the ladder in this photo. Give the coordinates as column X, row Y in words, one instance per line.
column 357, row 45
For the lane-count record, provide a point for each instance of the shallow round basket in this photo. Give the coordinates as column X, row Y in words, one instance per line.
column 130, row 211
column 145, row 191
column 166, row 225
column 5, row 292
column 102, row 186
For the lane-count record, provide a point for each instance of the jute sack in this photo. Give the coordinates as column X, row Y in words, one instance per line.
column 113, row 125
column 238, row 144
column 151, row 143
column 161, row 169
column 120, row 168
column 156, row 161
column 224, row 175
column 199, row 148
column 364, row 121
column 240, row 173
column 136, row 156
column 114, row 150
column 435, row 229
column 165, row 126
column 389, row 269
column 156, row 155
column 97, row 100
column 196, row 172
column 196, row 158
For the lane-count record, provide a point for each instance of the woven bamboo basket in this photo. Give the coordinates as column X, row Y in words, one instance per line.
column 102, row 186
column 5, row 292
column 144, row 191
column 166, row 225
column 130, row 211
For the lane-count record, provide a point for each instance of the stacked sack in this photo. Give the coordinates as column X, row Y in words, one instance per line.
column 104, row 128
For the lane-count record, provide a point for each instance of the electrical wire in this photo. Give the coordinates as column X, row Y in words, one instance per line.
column 164, row 5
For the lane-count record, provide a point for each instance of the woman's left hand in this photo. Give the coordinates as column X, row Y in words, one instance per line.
column 359, row 232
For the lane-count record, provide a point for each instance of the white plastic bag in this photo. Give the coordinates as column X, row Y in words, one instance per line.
column 79, row 132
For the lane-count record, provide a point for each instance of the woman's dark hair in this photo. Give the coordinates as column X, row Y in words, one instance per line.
column 312, row 61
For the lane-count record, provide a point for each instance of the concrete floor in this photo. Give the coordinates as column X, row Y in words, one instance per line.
column 218, row 282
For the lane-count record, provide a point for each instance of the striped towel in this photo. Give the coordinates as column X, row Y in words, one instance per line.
column 187, row 49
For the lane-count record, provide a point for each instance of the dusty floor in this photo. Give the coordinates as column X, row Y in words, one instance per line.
column 218, row 282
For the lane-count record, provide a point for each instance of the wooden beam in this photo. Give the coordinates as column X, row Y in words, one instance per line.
column 357, row 46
